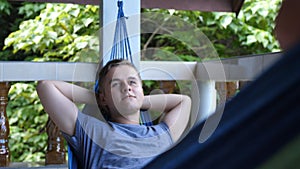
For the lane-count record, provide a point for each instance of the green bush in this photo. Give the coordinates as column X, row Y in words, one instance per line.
column 27, row 120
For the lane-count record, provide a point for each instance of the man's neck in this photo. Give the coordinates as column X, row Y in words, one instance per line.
column 128, row 119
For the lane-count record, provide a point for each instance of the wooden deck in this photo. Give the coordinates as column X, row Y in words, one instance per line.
column 15, row 165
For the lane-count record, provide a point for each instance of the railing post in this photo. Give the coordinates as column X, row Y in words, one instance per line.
column 232, row 88
column 226, row 90
column 167, row 86
column 56, row 153
column 4, row 125
column 207, row 99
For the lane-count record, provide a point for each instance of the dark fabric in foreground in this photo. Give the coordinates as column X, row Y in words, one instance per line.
column 257, row 123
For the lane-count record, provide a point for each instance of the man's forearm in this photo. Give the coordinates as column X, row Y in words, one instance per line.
column 73, row 92
column 162, row 102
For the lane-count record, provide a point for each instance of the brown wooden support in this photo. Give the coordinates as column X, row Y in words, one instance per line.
column 4, row 125
column 167, row 86
column 56, row 153
column 226, row 90
column 197, row 5
column 232, row 88
column 221, row 92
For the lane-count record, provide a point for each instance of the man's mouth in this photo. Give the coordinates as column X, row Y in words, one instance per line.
column 128, row 96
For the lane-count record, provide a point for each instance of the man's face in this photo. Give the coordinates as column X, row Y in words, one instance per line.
column 123, row 91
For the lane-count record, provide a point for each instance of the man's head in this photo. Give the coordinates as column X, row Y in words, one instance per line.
column 119, row 91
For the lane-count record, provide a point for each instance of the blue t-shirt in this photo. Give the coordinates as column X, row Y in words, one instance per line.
column 97, row 144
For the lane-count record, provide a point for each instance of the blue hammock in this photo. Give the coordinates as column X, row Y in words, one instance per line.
column 121, row 47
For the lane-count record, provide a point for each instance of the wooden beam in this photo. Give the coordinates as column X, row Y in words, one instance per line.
column 236, row 6
column 198, row 5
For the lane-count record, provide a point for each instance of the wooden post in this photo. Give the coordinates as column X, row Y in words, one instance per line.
column 222, row 92
column 226, row 90
column 56, row 153
column 232, row 88
column 167, row 86
column 4, row 125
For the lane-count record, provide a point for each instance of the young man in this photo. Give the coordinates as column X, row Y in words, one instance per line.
column 121, row 142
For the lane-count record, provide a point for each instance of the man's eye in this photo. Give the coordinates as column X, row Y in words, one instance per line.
column 132, row 82
column 114, row 84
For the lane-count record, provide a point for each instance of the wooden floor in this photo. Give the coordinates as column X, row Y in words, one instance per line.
column 34, row 166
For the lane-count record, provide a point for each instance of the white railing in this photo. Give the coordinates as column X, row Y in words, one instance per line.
column 243, row 68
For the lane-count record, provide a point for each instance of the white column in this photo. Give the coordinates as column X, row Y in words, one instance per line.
column 108, row 18
column 206, row 102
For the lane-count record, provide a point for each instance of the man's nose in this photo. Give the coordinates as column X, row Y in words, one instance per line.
column 126, row 87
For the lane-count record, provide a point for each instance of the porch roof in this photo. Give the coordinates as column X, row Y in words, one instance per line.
column 200, row 5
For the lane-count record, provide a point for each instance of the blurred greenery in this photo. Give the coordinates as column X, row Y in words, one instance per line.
column 251, row 32
column 27, row 121
column 66, row 32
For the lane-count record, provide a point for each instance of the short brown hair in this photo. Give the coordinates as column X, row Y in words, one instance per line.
column 100, row 80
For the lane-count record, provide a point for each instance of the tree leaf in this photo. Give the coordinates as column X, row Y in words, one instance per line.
column 87, row 22
column 37, row 39
column 225, row 21
column 250, row 39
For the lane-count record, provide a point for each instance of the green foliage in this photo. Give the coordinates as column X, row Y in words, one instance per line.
column 148, row 85
column 9, row 55
column 5, row 7
column 257, row 25
column 249, row 33
column 58, row 33
column 10, row 21
column 27, row 121
column 71, row 35
column 172, row 38
column 30, row 10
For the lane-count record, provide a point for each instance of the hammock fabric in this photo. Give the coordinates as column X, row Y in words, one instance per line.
column 258, row 123
column 121, row 47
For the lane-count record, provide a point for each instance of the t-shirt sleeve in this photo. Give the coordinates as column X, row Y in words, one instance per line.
column 74, row 140
column 165, row 128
